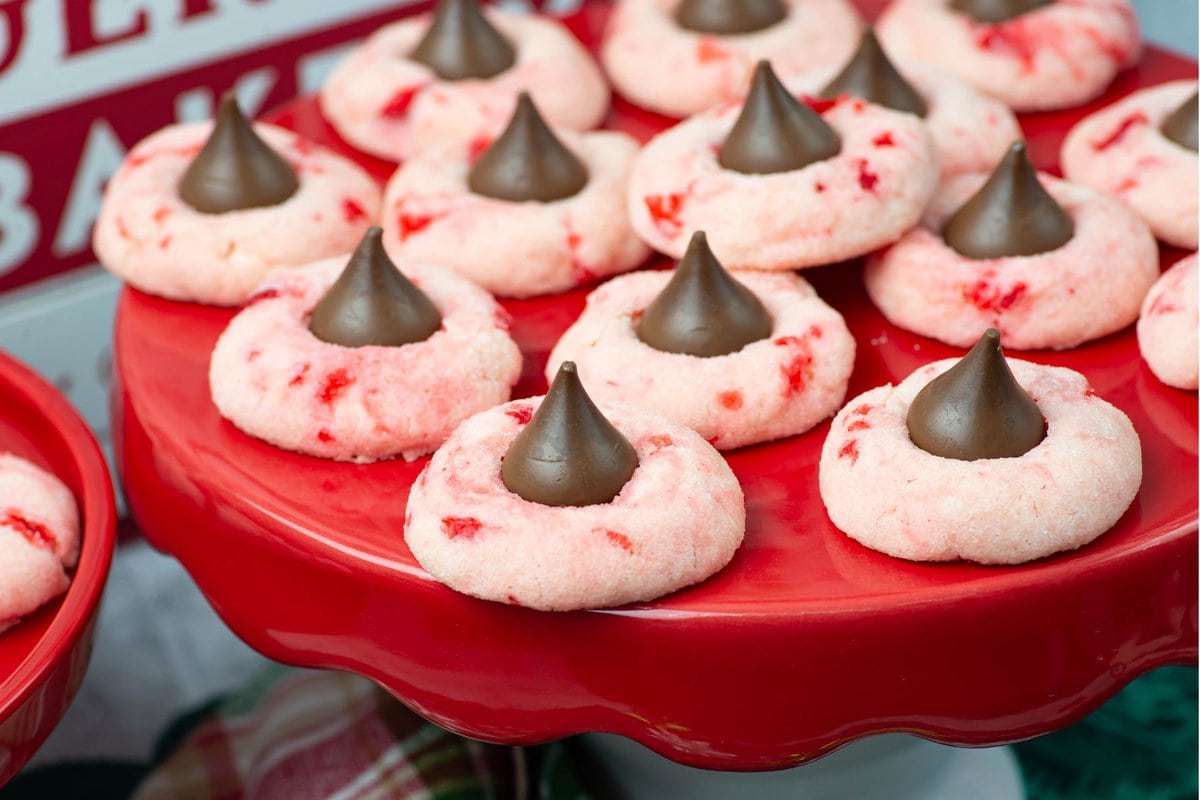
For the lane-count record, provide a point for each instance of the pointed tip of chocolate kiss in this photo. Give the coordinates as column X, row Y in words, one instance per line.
column 373, row 303
column 568, row 454
column 1012, row 214
column 729, row 17
column 775, row 132
column 870, row 74
column 235, row 169
column 462, row 44
column 703, row 310
column 993, row 11
column 228, row 109
column 976, row 409
column 1180, row 126
column 527, row 161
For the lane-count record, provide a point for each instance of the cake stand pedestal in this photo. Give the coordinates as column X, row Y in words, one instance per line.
column 804, row 644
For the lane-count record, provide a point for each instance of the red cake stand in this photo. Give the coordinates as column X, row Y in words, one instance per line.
column 805, row 642
column 43, row 658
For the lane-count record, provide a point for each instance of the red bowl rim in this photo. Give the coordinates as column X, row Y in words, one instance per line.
column 98, row 511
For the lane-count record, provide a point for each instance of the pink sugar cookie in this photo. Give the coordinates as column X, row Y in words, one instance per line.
column 658, row 65
column 971, row 130
column 892, row 496
column 1167, row 328
column 156, row 242
column 388, row 105
column 39, row 538
column 866, row 196
column 677, row 521
column 1056, row 56
column 273, row 379
column 1121, row 151
column 1091, row 286
column 769, row 389
column 516, row 249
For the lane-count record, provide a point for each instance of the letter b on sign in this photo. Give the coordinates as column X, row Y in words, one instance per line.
column 18, row 222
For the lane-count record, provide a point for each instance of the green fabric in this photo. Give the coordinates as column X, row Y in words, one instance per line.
column 557, row 780
column 1141, row 745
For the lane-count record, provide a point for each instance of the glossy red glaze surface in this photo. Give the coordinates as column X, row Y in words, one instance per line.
column 804, row 642
column 43, row 658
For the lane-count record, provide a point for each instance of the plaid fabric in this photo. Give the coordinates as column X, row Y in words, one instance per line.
column 296, row 735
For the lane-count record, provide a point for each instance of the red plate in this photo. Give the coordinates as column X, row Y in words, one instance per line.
column 43, row 658
column 804, row 642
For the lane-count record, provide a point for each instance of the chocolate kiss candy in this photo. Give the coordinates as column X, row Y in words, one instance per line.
column 775, row 132
column 1010, row 215
column 372, row 302
column 976, row 409
column 461, row 43
column 1180, row 127
column 235, row 169
column 703, row 311
column 996, row 10
column 527, row 162
column 568, row 454
column 871, row 76
column 729, row 16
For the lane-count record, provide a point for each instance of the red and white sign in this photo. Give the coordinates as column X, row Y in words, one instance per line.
column 81, row 81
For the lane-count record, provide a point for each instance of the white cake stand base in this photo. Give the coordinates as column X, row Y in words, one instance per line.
column 887, row 767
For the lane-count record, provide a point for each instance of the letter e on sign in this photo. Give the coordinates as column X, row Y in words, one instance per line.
column 81, row 26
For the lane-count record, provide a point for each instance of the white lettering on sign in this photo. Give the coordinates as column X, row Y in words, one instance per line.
column 94, row 24
column 53, row 52
column 102, row 155
column 18, row 223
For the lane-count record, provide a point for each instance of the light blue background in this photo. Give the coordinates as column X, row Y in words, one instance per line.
column 1169, row 23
